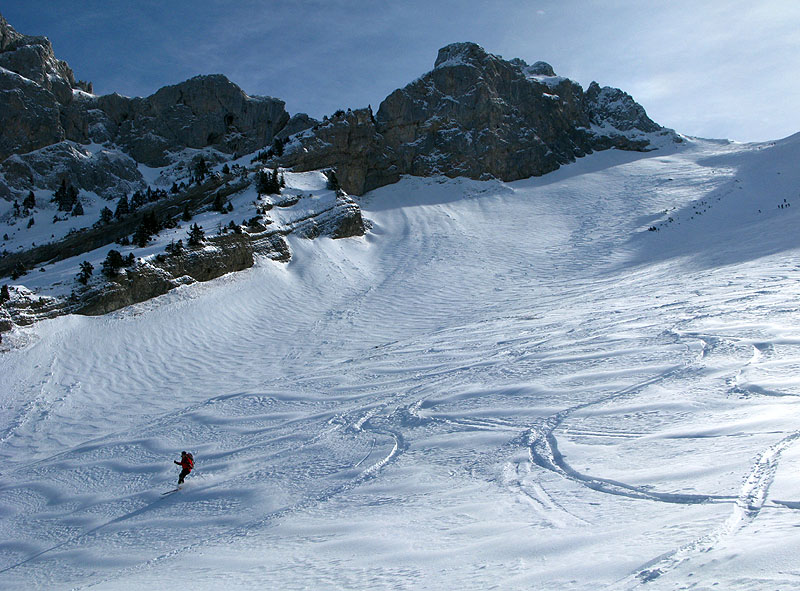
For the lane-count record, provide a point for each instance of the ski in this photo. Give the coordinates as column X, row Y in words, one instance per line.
column 171, row 491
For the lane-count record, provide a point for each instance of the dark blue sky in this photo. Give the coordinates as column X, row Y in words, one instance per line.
column 718, row 68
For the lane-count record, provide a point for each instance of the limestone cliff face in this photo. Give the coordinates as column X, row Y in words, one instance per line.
column 33, row 58
column 350, row 143
column 476, row 115
column 41, row 104
column 34, row 86
column 200, row 112
column 108, row 173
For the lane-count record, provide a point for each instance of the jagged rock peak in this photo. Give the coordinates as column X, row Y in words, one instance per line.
column 9, row 38
column 210, row 83
column 540, row 69
column 472, row 54
column 32, row 57
column 613, row 107
column 464, row 53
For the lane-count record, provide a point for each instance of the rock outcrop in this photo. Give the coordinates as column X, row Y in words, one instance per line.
column 476, row 115
column 34, row 87
column 205, row 111
column 219, row 256
column 109, row 173
column 350, row 143
column 41, row 104
column 32, row 57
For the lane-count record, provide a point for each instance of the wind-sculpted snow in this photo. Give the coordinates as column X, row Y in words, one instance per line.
column 502, row 385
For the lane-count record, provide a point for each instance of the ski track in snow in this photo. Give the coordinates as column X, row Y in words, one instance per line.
column 518, row 382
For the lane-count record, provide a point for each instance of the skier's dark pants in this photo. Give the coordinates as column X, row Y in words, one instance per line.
column 183, row 475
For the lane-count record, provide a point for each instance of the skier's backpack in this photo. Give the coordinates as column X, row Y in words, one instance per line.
column 190, row 457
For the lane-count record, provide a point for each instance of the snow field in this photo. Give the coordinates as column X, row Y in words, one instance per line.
column 501, row 385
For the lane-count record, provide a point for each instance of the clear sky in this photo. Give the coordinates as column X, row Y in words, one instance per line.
column 711, row 68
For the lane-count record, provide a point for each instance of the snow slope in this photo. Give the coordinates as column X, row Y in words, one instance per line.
column 503, row 385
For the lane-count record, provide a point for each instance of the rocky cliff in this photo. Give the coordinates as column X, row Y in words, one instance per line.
column 41, row 105
column 205, row 111
column 476, row 115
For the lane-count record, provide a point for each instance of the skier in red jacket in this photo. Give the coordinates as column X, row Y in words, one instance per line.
column 187, row 463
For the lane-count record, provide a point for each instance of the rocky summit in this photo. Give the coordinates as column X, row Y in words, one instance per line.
column 476, row 115
column 146, row 164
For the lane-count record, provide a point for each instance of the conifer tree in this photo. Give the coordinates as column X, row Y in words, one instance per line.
column 137, row 200
column 78, row 209
column 146, row 229
column 106, row 215
column 113, row 263
column 200, row 168
column 122, row 207
column 19, row 271
column 219, row 204
column 333, row 182
column 30, row 201
column 196, row 235
column 4, row 294
column 141, row 237
column 86, row 271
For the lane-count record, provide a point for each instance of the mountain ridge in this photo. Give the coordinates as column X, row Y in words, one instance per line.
column 210, row 111
column 474, row 114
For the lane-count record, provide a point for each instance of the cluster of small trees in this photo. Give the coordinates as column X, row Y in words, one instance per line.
column 177, row 188
column 269, row 183
column 28, row 204
column 278, row 145
column 174, row 248
column 18, row 271
column 220, row 205
column 337, row 115
column 137, row 200
column 149, row 227
column 114, row 261
column 66, row 198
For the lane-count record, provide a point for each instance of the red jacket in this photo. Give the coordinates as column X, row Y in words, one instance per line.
column 187, row 463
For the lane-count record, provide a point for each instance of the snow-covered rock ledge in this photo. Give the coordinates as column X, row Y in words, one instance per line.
column 157, row 274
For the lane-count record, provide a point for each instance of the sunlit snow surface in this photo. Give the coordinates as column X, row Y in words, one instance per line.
column 503, row 385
